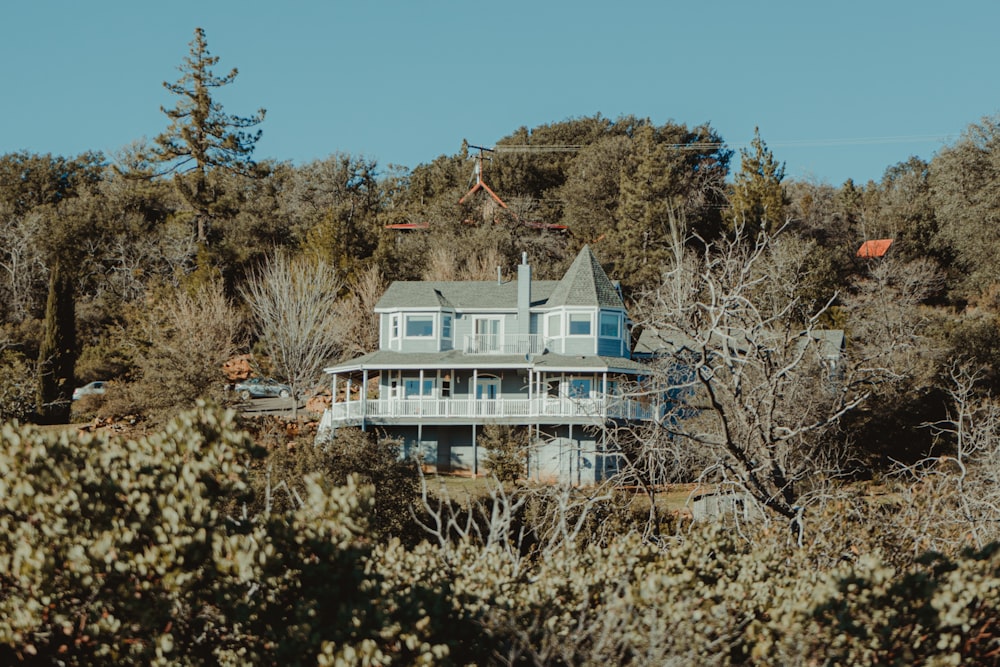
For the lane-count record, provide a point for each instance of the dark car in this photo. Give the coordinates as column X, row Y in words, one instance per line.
column 262, row 388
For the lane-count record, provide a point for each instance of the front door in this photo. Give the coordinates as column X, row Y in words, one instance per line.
column 487, row 389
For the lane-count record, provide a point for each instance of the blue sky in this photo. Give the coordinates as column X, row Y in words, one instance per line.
column 839, row 89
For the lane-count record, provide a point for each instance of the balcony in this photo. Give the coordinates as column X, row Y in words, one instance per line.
column 519, row 344
column 462, row 410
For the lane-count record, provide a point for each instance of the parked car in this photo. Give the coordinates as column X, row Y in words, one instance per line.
column 262, row 388
column 90, row 389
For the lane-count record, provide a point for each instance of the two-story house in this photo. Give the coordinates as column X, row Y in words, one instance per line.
column 454, row 356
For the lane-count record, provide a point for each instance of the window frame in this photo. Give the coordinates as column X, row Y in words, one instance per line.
column 579, row 315
column 429, row 317
column 607, row 315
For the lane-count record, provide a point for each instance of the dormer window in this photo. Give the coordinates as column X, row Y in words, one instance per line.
column 419, row 326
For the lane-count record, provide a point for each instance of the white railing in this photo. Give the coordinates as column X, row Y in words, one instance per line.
column 510, row 344
column 611, row 407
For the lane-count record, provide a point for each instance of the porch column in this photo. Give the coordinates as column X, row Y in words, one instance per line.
column 604, row 393
column 531, row 379
column 420, row 394
column 364, row 397
column 475, row 453
column 347, row 394
column 472, row 401
column 333, row 396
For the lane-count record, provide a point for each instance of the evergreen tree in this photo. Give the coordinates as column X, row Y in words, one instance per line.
column 757, row 199
column 57, row 351
column 201, row 136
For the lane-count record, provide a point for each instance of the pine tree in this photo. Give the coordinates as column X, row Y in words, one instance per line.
column 201, row 136
column 757, row 200
column 57, row 351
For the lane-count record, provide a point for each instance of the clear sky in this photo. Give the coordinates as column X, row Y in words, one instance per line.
column 839, row 89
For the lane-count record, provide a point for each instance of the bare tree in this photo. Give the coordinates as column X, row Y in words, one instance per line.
column 22, row 263
column 360, row 321
column 297, row 318
column 747, row 376
column 952, row 500
column 180, row 341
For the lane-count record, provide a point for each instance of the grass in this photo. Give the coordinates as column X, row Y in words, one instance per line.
column 461, row 488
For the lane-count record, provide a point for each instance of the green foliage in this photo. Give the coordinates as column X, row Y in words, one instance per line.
column 201, row 136
column 757, row 200
column 117, row 552
column 964, row 179
column 57, row 351
column 372, row 460
column 123, row 551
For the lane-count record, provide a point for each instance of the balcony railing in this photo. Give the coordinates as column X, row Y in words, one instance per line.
column 510, row 344
column 610, row 407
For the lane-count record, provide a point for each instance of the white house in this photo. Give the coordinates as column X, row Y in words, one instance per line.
column 455, row 356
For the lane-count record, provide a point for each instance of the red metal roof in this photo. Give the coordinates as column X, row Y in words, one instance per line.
column 876, row 248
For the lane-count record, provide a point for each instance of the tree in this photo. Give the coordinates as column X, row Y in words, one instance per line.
column 180, row 341
column 965, row 186
column 296, row 316
column 201, row 136
column 749, row 378
column 757, row 200
column 57, row 351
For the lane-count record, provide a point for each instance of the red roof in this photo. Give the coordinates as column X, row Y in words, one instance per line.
column 876, row 248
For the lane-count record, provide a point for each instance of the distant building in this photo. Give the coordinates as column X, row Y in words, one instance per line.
column 877, row 248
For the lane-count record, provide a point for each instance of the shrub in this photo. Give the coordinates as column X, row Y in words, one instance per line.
column 506, row 451
column 17, row 386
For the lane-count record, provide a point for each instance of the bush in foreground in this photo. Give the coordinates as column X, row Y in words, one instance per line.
column 116, row 551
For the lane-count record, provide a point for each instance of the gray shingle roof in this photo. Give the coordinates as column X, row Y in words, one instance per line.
column 389, row 359
column 461, row 295
column 585, row 284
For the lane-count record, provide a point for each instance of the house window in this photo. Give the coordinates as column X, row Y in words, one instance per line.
column 610, row 325
column 579, row 324
column 553, row 323
column 419, row 326
column 394, row 326
column 414, row 388
column 579, row 388
column 446, row 326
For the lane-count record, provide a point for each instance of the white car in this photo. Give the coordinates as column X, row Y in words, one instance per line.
column 90, row 389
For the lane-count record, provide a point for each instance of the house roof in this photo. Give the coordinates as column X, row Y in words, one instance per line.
column 585, row 284
column 876, row 248
column 465, row 294
column 455, row 359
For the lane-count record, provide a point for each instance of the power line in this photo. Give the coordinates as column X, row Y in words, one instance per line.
column 714, row 145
